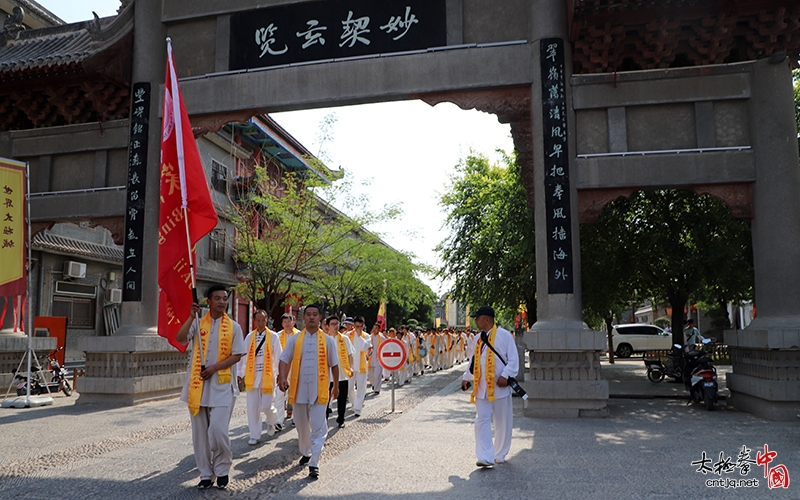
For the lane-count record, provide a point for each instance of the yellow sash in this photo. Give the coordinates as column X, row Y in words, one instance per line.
column 344, row 360
column 476, row 367
column 267, row 379
column 283, row 336
column 362, row 355
column 224, row 346
column 322, row 368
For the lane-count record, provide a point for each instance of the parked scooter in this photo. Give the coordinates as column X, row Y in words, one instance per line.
column 701, row 377
column 673, row 367
column 58, row 382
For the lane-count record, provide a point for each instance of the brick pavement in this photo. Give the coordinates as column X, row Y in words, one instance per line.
column 643, row 450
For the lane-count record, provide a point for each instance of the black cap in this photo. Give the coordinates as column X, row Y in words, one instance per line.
column 483, row 311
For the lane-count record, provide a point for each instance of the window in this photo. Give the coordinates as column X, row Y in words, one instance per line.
column 219, row 176
column 216, row 245
column 79, row 312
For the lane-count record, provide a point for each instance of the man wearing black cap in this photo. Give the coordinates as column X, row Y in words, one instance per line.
column 490, row 371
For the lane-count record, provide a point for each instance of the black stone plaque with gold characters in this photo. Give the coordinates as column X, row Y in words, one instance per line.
column 314, row 31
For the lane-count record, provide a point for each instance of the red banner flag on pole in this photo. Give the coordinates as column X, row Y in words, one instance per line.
column 186, row 211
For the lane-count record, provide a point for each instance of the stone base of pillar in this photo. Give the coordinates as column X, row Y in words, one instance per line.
column 13, row 347
column 765, row 380
column 130, row 369
column 564, row 378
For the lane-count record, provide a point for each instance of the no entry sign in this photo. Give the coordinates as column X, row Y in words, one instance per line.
column 392, row 354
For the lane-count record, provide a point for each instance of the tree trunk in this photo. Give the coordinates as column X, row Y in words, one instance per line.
column 610, row 340
column 677, row 303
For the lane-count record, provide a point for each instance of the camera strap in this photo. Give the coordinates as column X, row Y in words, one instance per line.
column 485, row 340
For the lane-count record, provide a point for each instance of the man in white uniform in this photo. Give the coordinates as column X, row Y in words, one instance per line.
column 210, row 391
column 358, row 382
column 260, row 386
column 287, row 322
column 491, row 393
column 309, row 355
column 375, row 368
column 344, row 350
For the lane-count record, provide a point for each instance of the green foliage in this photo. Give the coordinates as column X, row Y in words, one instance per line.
column 677, row 246
column 490, row 253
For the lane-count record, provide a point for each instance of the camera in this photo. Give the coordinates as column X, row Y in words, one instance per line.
column 512, row 382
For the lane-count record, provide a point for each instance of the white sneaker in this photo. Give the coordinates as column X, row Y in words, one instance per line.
column 252, row 442
column 270, row 430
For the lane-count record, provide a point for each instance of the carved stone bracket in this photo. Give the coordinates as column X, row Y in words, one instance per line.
column 116, row 225
column 737, row 197
column 511, row 105
column 208, row 124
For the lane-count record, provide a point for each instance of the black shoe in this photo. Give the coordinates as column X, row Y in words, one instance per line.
column 222, row 482
column 313, row 472
column 341, row 425
column 304, row 460
column 278, row 427
column 205, row 484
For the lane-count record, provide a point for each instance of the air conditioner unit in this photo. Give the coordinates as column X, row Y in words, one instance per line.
column 74, row 269
column 114, row 295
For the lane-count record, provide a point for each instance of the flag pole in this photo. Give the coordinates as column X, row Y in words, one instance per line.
column 176, row 116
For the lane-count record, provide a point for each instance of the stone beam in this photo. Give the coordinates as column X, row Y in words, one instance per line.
column 357, row 81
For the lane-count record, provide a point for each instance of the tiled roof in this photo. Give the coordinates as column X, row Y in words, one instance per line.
column 68, row 246
column 63, row 45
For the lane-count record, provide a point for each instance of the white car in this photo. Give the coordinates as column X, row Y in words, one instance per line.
column 637, row 337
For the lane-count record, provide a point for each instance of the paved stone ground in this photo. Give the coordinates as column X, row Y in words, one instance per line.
column 643, row 450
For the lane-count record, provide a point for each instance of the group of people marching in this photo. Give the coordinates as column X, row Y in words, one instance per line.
column 291, row 374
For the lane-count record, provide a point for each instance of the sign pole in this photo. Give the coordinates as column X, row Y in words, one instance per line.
column 393, row 392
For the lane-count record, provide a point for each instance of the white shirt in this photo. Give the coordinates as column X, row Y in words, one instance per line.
column 307, row 383
column 503, row 344
column 360, row 344
column 214, row 393
column 276, row 352
column 349, row 348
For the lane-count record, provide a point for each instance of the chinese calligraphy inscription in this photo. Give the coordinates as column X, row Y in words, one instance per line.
column 298, row 32
column 556, row 161
column 137, row 173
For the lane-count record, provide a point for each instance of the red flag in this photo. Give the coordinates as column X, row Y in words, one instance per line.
column 183, row 184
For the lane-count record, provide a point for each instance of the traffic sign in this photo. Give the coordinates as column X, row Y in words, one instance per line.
column 392, row 354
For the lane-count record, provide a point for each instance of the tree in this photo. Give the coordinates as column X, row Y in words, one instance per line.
column 678, row 246
column 607, row 280
column 283, row 237
column 491, row 249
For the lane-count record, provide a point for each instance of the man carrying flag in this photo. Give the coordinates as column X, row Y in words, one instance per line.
column 186, row 215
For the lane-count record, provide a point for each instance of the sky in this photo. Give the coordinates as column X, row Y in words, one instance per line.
column 402, row 152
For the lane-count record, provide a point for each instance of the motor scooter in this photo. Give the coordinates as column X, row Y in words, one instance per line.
column 38, row 384
column 673, row 367
column 701, row 378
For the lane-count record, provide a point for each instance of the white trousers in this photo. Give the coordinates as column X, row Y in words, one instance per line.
column 501, row 412
column 212, row 447
column 312, row 430
column 359, row 380
column 258, row 403
column 375, row 377
column 280, row 405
